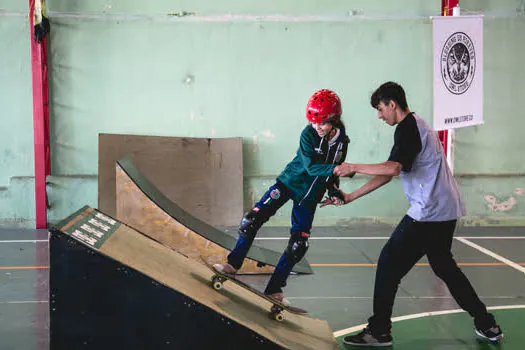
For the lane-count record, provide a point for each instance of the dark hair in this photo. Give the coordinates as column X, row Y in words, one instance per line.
column 337, row 122
column 387, row 92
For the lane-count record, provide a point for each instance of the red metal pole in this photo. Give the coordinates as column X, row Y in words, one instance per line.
column 40, row 120
column 446, row 10
column 45, row 96
column 447, row 6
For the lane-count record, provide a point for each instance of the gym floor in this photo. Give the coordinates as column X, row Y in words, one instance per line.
column 340, row 291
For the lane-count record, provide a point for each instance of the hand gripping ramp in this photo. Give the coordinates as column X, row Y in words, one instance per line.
column 141, row 205
column 112, row 287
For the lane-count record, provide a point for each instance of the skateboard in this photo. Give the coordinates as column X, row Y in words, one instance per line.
column 276, row 311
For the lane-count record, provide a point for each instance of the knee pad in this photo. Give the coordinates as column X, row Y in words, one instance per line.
column 251, row 223
column 297, row 247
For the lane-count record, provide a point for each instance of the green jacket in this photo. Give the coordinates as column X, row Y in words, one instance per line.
column 309, row 174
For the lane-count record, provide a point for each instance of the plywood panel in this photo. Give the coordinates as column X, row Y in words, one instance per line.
column 200, row 173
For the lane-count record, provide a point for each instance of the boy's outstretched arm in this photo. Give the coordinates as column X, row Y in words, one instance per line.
column 389, row 168
column 374, row 183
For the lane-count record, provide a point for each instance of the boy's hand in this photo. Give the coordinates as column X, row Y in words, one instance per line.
column 332, row 201
column 339, row 199
column 345, row 169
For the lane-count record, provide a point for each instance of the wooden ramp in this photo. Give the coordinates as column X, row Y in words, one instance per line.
column 142, row 206
column 113, row 287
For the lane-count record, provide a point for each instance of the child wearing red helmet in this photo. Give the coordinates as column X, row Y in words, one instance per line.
column 322, row 146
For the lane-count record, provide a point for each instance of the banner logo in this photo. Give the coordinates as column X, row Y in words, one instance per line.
column 458, row 63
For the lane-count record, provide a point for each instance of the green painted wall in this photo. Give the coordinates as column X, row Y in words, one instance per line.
column 225, row 69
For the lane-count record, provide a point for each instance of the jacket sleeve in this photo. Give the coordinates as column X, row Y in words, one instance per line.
column 308, row 154
column 331, row 191
column 334, row 180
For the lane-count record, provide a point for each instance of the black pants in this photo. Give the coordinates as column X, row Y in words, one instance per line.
column 409, row 242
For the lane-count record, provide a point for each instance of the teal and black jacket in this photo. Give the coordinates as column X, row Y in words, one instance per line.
column 309, row 175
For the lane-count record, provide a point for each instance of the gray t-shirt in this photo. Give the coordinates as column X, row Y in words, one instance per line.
column 427, row 180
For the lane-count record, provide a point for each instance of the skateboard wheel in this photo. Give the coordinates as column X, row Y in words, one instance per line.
column 277, row 313
column 217, row 284
column 279, row 317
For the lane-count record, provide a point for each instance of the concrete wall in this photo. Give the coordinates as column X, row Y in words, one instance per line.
column 226, row 69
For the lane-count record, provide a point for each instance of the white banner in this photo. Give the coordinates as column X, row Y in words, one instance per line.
column 458, row 71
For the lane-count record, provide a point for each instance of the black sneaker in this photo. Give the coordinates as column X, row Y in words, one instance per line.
column 494, row 334
column 365, row 338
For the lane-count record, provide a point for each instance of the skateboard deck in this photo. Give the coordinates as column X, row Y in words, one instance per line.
column 276, row 311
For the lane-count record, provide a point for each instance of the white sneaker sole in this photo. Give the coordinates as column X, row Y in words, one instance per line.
column 484, row 337
column 284, row 301
column 218, row 268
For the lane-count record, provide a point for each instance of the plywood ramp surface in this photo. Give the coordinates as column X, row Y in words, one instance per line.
column 186, row 276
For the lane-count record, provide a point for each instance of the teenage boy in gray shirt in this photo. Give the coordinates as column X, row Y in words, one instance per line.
column 427, row 229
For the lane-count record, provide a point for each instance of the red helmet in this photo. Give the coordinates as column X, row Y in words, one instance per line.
column 323, row 106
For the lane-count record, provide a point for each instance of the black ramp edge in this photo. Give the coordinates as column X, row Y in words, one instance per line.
column 207, row 231
column 98, row 303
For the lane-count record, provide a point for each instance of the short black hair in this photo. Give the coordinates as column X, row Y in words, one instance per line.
column 387, row 92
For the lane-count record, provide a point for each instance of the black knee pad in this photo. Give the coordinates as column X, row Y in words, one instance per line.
column 297, row 247
column 251, row 223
